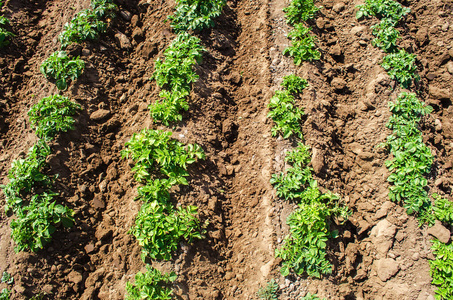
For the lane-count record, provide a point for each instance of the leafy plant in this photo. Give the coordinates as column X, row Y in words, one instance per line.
column 158, row 230
column 25, row 175
column 36, row 222
column 168, row 110
column 195, row 14
column 401, row 67
column 382, row 8
column 150, row 285
column 104, row 8
column 304, row 250
column 386, row 35
column 442, row 269
column 155, row 150
column 84, row 26
column 4, row 35
column 7, row 278
column 300, row 11
column 309, row 296
column 61, row 68
column 302, row 45
column 412, row 158
column 443, row 209
column 290, row 185
column 175, row 74
column 4, row 294
column 285, row 115
column 269, row 292
column 294, row 84
column 53, row 114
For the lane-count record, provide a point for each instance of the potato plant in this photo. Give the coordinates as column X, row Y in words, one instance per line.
column 36, row 222
column 87, row 24
column 150, row 285
column 270, row 291
column 304, row 249
column 84, row 26
column 386, row 35
column 52, row 115
column 4, row 33
column 285, row 115
column 303, row 46
column 104, row 8
column 195, row 14
column 300, row 11
column 175, row 76
column 154, row 150
column 158, row 229
column 401, row 67
column 294, row 84
column 383, row 9
column 26, row 175
column 60, row 68
column 442, row 270
column 412, row 158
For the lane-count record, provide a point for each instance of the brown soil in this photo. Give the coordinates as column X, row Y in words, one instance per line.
column 346, row 112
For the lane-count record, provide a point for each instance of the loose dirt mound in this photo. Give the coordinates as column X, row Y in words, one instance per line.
column 381, row 253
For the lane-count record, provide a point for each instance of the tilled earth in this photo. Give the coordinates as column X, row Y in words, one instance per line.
column 380, row 253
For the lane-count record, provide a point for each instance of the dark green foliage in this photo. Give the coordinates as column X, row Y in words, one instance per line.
column 84, row 26
column 442, row 270
column 195, row 14
column 300, row 11
column 269, row 292
column 36, row 222
column 386, row 35
column 175, row 75
column 152, row 285
column 52, row 115
column 383, row 9
column 60, row 68
column 303, row 46
column 401, row 67
column 285, row 115
column 294, row 84
column 159, row 230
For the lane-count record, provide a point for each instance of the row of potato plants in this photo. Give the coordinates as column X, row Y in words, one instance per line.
column 37, row 216
column 175, row 75
column 412, row 159
column 160, row 161
column 28, row 194
column 5, row 34
column 304, row 249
